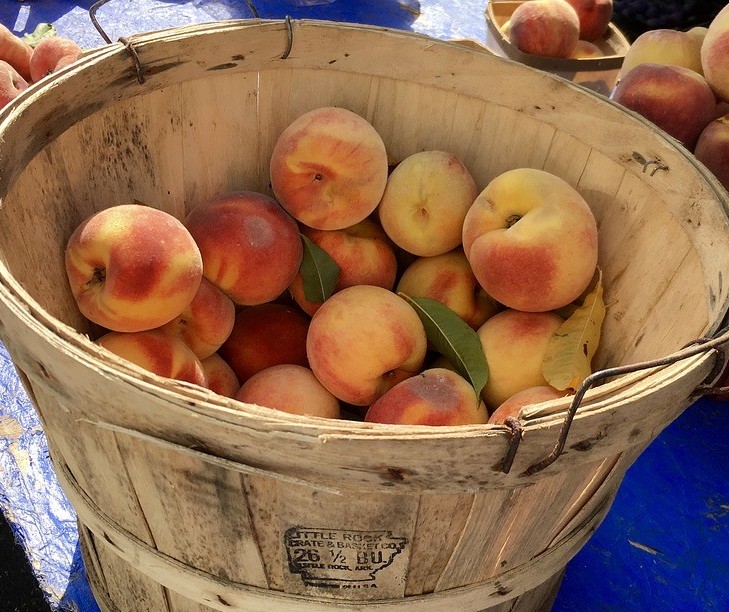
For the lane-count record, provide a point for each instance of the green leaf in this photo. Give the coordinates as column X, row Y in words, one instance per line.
column 42, row 30
column 568, row 359
column 319, row 272
column 453, row 338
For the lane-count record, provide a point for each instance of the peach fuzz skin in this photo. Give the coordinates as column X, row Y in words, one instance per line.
column 329, row 168
column 251, row 249
column 515, row 343
column 433, row 397
column 677, row 99
column 448, row 278
column 264, row 336
column 363, row 341
column 49, row 53
column 11, row 83
column 132, row 267
column 16, row 52
column 513, row 406
column 712, row 149
column 363, row 253
column 206, row 322
column 548, row 28
column 290, row 388
column 531, row 240
column 157, row 352
column 594, row 17
column 220, row 376
column 715, row 54
column 425, row 201
column 664, row 46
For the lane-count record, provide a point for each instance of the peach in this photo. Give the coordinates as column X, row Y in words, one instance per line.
column 434, row 397
column 363, row 253
column 220, row 376
column 721, row 109
column 715, row 54
column 251, row 249
column 527, row 397
column 16, row 52
column 363, row 341
column 329, row 168
column 549, row 28
column 49, row 53
column 448, row 278
column 676, row 99
column 586, row 50
column 531, row 240
column 263, row 336
column 515, row 344
column 594, row 17
column 206, row 322
column 132, row 267
column 712, row 149
column 663, row 46
column 290, row 388
column 11, row 83
column 425, row 201
column 160, row 353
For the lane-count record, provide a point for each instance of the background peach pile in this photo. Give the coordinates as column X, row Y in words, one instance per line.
column 679, row 80
column 22, row 64
column 306, row 301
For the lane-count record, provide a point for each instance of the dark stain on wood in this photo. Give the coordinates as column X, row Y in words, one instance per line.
column 226, row 66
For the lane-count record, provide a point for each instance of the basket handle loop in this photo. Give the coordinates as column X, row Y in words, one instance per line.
column 696, row 347
column 138, row 64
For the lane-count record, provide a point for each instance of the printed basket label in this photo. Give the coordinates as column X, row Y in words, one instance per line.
column 341, row 558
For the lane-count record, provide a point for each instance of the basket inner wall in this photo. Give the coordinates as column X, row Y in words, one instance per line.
column 176, row 146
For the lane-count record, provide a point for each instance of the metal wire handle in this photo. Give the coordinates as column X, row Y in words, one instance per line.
column 135, row 56
column 696, row 347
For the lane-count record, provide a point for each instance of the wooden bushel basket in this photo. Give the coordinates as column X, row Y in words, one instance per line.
column 188, row 501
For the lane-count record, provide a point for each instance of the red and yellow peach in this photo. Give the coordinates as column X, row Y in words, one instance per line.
column 51, row 54
column 160, row 353
column 132, row 267
column 364, row 256
column 362, row 341
column 425, row 201
column 220, row 376
column 594, row 17
column 531, row 240
column 251, row 249
column 433, row 397
column 16, row 52
column 11, row 83
column 548, row 28
column 206, row 322
column 263, row 336
column 513, row 406
column 515, row 344
column 290, row 388
column 329, row 168
column 448, row 278
column 677, row 99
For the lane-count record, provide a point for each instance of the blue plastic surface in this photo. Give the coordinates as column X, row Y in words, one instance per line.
column 663, row 546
